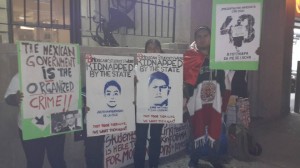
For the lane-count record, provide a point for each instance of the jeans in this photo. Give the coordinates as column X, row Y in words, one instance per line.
column 154, row 144
column 94, row 151
column 35, row 150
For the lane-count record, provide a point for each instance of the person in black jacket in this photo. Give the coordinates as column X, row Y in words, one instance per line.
column 94, row 146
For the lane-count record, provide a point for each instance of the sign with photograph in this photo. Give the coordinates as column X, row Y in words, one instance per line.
column 159, row 88
column 50, row 82
column 110, row 94
column 235, row 36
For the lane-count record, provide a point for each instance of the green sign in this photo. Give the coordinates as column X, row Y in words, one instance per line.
column 49, row 75
column 235, row 37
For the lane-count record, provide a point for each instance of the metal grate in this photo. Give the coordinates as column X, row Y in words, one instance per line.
column 152, row 18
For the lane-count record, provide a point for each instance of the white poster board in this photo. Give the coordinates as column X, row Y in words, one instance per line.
column 110, row 94
column 159, row 88
column 50, row 81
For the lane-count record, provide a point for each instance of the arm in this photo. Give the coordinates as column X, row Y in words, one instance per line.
column 13, row 96
column 188, row 90
column 14, row 99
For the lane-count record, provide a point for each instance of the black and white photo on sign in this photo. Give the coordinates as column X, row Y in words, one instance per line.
column 159, row 79
column 66, row 121
column 158, row 89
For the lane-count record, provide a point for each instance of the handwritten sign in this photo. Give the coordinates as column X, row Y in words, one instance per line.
column 119, row 148
column 235, row 35
column 50, row 82
column 110, row 94
column 159, row 88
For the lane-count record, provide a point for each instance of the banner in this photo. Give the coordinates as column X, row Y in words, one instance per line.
column 50, row 81
column 159, row 88
column 235, row 36
column 110, row 94
column 119, row 148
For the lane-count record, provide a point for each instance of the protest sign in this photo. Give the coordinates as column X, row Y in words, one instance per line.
column 50, row 81
column 159, row 88
column 110, row 94
column 235, row 36
column 119, row 148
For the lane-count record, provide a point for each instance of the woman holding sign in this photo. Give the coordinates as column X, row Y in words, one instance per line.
column 35, row 149
column 151, row 46
column 203, row 88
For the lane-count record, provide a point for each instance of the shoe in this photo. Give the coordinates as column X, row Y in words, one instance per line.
column 217, row 165
column 192, row 164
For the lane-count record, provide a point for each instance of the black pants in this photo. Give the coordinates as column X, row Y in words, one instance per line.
column 94, row 151
column 35, row 151
column 154, row 144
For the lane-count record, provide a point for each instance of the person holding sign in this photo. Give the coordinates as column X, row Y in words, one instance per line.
column 94, row 146
column 35, row 149
column 159, row 83
column 203, row 88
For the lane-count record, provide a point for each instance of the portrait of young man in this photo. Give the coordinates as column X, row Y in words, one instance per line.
column 70, row 120
column 158, row 89
column 112, row 93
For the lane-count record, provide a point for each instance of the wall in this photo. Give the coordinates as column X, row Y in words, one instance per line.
column 183, row 21
column 273, row 77
column 200, row 15
column 11, row 153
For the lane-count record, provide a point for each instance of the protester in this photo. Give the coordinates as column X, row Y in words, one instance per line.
column 203, row 89
column 94, row 146
column 35, row 149
column 151, row 46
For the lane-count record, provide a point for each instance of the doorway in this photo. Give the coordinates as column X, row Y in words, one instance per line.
column 295, row 59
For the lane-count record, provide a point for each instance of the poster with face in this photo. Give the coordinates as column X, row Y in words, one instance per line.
column 159, row 88
column 109, row 94
column 235, row 37
column 50, row 81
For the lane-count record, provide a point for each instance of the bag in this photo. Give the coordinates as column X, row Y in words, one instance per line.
column 243, row 112
column 241, row 143
column 238, row 111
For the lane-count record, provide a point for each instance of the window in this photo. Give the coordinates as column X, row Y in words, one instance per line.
column 3, row 22
column 41, row 20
